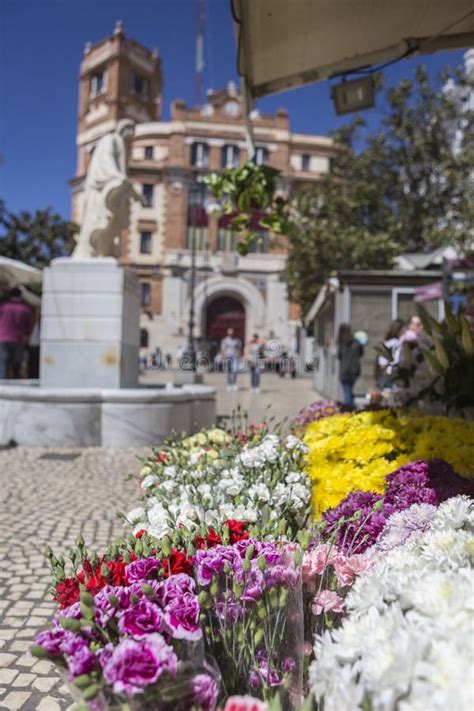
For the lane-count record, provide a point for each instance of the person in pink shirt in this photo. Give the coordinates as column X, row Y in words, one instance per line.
column 16, row 323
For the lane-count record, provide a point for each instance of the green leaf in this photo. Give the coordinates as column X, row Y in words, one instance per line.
column 441, row 354
column 466, row 336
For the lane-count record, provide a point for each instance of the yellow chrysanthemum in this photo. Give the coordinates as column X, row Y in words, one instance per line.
column 349, row 452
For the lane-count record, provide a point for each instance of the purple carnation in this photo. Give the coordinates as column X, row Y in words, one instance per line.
column 181, row 617
column 81, row 662
column 205, row 691
column 423, row 482
column 104, row 611
column 59, row 641
column 142, row 569
column 141, row 619
column 356, row 522
column 135, row 665
column 211, row 562
column 281, row 575
column 177, row 586
column 288, row 665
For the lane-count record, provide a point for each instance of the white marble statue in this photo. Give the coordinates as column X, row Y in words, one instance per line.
column 107, row 195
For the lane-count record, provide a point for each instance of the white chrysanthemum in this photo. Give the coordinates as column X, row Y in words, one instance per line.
column 457, row 512
column 448, row 547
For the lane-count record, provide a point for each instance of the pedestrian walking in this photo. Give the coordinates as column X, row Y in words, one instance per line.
column 231, row 349
column 16, row 323
column 254, row 354
column 384, row 363
column 349, row 353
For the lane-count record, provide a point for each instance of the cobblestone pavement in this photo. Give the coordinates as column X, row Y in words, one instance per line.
column 49, row 501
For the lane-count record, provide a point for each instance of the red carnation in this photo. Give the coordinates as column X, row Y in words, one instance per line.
column 117, row 575
column 237, row 531
column 140, row 533
column 212, row 539
column 177, row 562
column 67, row 592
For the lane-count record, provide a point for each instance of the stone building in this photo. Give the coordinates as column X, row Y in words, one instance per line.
column 119, row 78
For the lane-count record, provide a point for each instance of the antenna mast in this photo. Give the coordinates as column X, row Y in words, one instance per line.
column 199, row 50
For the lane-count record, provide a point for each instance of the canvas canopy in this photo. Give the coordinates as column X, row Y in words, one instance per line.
column 286, row 43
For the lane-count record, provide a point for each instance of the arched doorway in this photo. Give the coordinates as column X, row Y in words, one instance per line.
column 222, row 313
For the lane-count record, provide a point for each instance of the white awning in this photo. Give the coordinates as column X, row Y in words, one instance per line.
column 287, row 43
column 13, row 273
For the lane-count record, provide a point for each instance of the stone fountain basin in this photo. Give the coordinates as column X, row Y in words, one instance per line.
column 129, row 417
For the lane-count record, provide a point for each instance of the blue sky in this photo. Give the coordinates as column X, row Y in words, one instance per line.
column 41, row 45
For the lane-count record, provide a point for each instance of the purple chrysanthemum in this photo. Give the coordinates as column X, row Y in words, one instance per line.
column 423, row 482
column 316, row 411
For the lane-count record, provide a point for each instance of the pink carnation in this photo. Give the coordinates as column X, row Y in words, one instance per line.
column 315, row 563
column 348, row 568
column 244, row 703
column 327, row 601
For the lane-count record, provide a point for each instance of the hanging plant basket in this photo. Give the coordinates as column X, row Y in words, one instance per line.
column 246, row 192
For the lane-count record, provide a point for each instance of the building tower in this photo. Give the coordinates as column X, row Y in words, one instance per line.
column 119, row 78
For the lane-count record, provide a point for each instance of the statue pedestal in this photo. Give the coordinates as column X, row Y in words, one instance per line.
column 89, row 325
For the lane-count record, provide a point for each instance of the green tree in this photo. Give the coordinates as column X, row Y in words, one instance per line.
column 35, row 239
column 407, row 187
column 427, row 151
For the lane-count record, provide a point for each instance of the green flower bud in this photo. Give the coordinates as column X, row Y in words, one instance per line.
column 83, row 681
column 249, row 551
column 87, row 612
column 214, row 589
column 69, row 624
column 114, row 601
column 203, row 598
column 147, row 590
column 246, row 565
column 90, row 693
column 283, row 598
column 165, row 546
column 262, row 563
column 87, row 599
column 258, row 636
column 39, row 652
column 273, row 596
column 237, row 589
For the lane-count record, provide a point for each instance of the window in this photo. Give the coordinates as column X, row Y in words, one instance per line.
column 144, row 338
column 145, row 242
column 140, row 86
column 306, row 162
column 200, row 237
column 198, row 219
column 230, row 157
column 98, row 83
column 148, row 153
column 261, row 156
column 200, row 155
column 147, row 193
column 227, row 239
column 146, row 293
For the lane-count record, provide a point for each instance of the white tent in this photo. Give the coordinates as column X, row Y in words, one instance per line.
column 13, row 273
column 287, row 43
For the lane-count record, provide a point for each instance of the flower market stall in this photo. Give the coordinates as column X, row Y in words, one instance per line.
column 326, row 569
